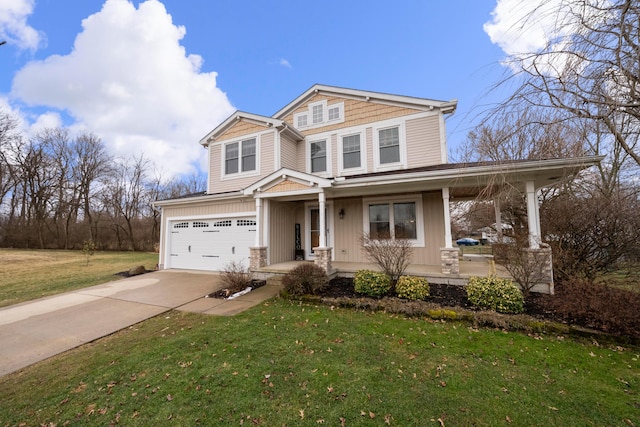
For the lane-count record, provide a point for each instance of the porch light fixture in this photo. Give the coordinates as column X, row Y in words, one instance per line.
column 341, row 213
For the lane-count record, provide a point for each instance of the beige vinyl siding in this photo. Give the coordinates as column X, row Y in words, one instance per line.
column 333, row 161
column 356, row 113
column 282, row 220
column 302, row 156
column 370, row 148
column 423, row 141
column 265, row 163
column 347, row 231
column 288, row 153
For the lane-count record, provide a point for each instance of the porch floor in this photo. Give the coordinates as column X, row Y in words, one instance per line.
column 479, row 267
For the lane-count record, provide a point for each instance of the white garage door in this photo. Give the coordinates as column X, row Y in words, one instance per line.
column 211, row 244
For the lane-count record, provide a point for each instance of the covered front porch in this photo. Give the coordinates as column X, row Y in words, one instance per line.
column 481, row 266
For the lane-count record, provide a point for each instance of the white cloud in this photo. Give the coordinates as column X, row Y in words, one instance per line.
column 285, row 63
column 130, row 81
column 523, row 27
column 13, row 24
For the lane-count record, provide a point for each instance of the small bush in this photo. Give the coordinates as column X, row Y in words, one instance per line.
column 235, row 277
column 305, row 279
column 372, row 283
column 493, row 293
column 413, row 288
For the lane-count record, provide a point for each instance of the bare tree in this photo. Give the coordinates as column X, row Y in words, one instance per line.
column 392, row 255
column 590, row 71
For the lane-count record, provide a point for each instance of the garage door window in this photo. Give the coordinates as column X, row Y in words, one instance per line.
column 246, row 222
column 181, row 225
column 225, row 223
column 200, row 224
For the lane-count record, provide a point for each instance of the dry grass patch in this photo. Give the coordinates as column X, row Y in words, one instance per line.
column 31, row 274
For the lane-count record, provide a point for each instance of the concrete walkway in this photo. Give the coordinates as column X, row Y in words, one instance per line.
column 36, row 330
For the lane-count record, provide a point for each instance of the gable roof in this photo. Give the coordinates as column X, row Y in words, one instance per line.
column 363, row 95
column 268, row 122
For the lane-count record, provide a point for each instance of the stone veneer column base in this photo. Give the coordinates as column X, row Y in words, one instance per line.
column 323, row 258
column 542, row 259
column 257, row 257
column 449, row 260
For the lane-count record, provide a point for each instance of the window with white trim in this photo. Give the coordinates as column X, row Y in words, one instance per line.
column 395, row 218
column 389, row 145
column 240, row 157
column 351, row 152
column 319, row 114
column 318, row 156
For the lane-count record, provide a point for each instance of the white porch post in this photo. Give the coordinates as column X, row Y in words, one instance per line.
column 498, row 213
column 533, row 216
column 448, row 240
column 323, row 219
column 258, row 222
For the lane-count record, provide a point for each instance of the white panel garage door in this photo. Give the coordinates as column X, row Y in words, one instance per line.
column 211, row 244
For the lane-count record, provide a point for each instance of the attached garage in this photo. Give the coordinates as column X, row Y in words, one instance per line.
column 210, row 244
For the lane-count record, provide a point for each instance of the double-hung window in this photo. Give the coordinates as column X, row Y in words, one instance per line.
column 318, row 156
column 240, row 157
column 351, row 152
column 395, row 218
column 389, row 145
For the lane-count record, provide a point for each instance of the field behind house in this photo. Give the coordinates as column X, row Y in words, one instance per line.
column 30, row 274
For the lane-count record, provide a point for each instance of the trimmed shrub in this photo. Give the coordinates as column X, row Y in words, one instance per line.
column 493, row 293
column 305, row 279
column 371, row 283
column 413, row 288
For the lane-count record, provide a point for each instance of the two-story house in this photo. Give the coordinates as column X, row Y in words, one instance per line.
column 333, row 164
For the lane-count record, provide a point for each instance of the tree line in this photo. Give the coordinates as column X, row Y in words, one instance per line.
column 62, row 191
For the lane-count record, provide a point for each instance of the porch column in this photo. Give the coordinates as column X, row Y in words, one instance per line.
column 448, row 240
column 258, row 222
column 258, row 253
column 498, row 213
column 449, row 256
column 533, row 216
column 323, row 219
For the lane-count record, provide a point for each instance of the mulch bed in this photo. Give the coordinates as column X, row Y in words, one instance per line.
column 227, row 292
column 445, row 296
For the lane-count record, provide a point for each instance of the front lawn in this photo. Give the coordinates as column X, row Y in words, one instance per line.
column 290, row 363
column 29, row 274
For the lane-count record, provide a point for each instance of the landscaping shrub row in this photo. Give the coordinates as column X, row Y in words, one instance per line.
column 579, row 307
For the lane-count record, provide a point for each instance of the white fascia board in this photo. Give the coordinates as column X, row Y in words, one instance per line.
column 410, row 101
column 235, row 117
column 198, row 199
column 473, row 171
column 284, row 173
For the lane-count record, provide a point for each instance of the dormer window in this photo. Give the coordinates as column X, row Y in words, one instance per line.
column 319, row 114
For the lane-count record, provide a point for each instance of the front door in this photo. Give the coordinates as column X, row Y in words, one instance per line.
column 313, row 229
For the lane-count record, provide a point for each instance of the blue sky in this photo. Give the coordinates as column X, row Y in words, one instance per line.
column 155, row 76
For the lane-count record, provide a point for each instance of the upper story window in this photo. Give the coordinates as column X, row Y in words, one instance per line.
column 389, row 143
column 318, row 156
column 351, row 152
column 240, row 157
column 389, row 151
column 319, row 114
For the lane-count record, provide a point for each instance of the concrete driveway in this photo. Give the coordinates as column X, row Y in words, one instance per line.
column 33, row 331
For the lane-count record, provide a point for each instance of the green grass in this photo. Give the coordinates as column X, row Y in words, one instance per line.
column 626, row 277
column 288, row 363
column 29, row 274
